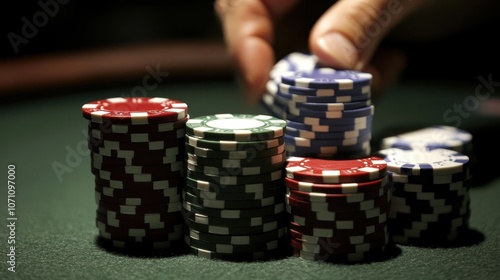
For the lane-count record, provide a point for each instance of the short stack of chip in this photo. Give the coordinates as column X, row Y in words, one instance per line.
column 234, row 194
column 329, row 112
column 430, row 202
column 433, row 137
column 337, row 208
column 137, row 158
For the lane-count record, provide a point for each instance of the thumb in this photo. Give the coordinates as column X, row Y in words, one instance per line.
column 348, row 33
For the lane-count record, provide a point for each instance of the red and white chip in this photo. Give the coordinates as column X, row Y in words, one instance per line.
column 326, row 171
column 137, row 110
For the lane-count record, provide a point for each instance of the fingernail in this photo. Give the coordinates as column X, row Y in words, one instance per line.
column 340, row 49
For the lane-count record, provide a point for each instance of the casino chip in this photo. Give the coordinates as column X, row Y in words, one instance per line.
column 331, row 108
column 233, row 199
column 137, row 157
column 430, row 203
column 337, row 209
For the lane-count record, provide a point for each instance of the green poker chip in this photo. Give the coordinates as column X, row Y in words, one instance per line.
column 228, row 145
column 236, row 127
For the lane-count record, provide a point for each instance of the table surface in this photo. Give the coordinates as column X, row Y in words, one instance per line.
column 55, row 230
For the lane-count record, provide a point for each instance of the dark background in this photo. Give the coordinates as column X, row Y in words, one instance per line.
column 91, row 25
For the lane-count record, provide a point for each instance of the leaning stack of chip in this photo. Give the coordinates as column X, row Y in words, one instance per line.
column 337, row 208
column 430, row 202
column 234, row 194
column 137, row 158
column 329, row 112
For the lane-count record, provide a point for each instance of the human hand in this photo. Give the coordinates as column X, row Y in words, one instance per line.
column 346, row 36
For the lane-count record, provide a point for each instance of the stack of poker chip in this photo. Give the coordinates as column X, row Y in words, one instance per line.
column 430, row 203
column 329, row 112
column 234, row 195
column 337, row 208
column 433, row 137
column 137, row 158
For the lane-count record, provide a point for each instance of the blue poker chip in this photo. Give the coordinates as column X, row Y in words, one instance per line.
column 272, row 107
column 284, row 88
column 296, row 61
column 280, row 111
column 273, row 89
column 354, row 113
column 425, row 162
column 286, row 103
column 331, row 122
column 304, row 142
column 327, row 78
column 424, row 180
column 433, row 137
column 328, row 106
column 329, row 128
column 325, row 135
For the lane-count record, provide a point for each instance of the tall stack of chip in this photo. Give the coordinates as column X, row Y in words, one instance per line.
column 329, row 112
column 234, row 194
column 137, row 158
column 430, row 202
column 337, row 208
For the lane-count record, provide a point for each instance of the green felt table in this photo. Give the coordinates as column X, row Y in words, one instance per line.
column 55, row 229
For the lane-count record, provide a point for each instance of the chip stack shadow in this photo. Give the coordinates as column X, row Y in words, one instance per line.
column 329, row 112
column 233, row 199
column 137, row 158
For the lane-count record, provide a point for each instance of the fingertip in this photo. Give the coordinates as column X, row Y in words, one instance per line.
column 335, row 50
column 255, row 59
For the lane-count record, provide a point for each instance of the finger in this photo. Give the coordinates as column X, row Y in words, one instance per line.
column 348, row 33
column 248, row 31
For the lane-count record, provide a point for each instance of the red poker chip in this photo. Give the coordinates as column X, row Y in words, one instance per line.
column 108, row 127
column 135, row 110
column 338, row 225
column 334, row 198
column 130, row 154
column 138, row 223
column 339, row 216
column 137, row 232
column 142, row 247
column 158, row 160
column 137, row 201
column 337, row 233
column 141, row 209
column 355, row 239
column 142, row 218
column 338, row 207
column 138, row 192
column 338, row 248
column 128, row 183
column 348, row 258
column 138, row 137
column 137, row 178
column 138, row 146
column 342, row 188
column 138, row 169
column 326, row 171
